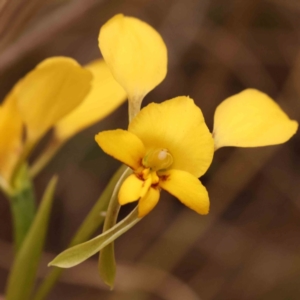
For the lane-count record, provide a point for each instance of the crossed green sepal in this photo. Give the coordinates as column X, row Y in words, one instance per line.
column 79, row 253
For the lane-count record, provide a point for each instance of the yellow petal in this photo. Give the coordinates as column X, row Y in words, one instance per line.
column 188, row 189
column 104, row 97
column 123, row 146
column 148, row 202
column 251, row 119
column 135, row 54
column 130, row 190
column 10, row 136
column 178, row 126
column 49, row 92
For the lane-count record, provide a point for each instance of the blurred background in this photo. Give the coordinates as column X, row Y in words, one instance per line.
column 248, row 247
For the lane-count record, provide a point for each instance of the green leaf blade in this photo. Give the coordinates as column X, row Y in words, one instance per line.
column 23, row 272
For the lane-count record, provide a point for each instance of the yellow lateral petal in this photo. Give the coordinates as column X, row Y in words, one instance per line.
column 251, row 119
column 10, row 136
column 135, row 53
column 188, row 189
column 104, row 97
column 130, row 190
column 123, row 146
column 49, row 92
column 148, row 202
column 178, row 126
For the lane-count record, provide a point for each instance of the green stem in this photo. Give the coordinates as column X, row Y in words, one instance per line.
column 22, row 203
column 52, row 148
column 19, row 167
column 86, row 230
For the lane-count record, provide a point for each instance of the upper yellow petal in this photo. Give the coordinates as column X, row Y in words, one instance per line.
column 123, row 146
column 148, row 202
column 178, row 126
column 10, row 136
column 135, row 53
column 104, row 97
column 251, row 119
column 130, row 190
column 49, row 92
column 188, row 189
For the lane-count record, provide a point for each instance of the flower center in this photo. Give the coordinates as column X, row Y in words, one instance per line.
column 158, row 159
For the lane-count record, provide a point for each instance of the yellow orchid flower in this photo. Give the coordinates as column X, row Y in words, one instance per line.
column 39, row 100
column 168, row 146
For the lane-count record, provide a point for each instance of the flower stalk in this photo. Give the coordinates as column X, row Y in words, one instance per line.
column 53, row 147
column 22, row 204
column 134, row 106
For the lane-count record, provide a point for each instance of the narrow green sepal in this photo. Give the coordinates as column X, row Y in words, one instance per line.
column 107, row 263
